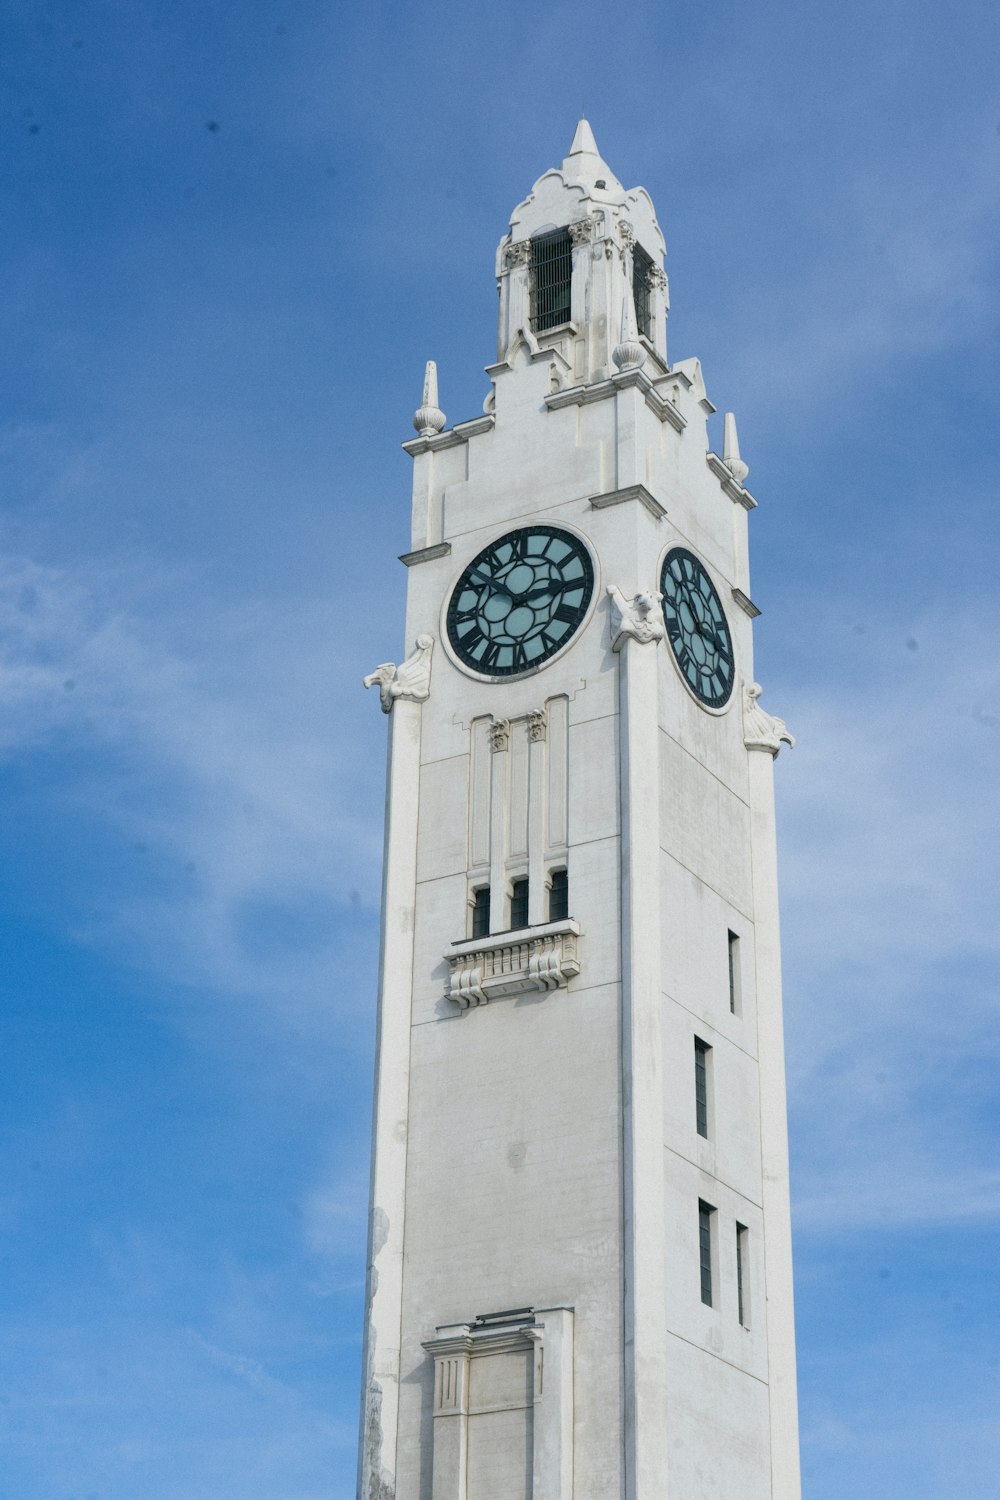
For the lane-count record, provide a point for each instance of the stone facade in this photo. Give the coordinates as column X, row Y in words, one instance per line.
column 541, row 1183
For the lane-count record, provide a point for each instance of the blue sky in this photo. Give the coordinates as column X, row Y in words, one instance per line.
column 232, row 235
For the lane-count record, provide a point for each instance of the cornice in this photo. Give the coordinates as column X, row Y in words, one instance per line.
column 451, row 438
column 630, row 492
column 746, row 604
column 735, row 491
column 425, row 554
column 600, row 390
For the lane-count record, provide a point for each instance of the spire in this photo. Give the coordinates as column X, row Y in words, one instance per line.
column 628, row 353
column 583, row 140
column 429, row 418
column 731, row 450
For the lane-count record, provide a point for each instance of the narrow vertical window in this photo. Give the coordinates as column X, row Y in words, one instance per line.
column 706, row 1213
column 481, row 912
column 551, row 279
column 519, row 904
column 701, row 1051
column 559, row 896
column 742, row 1268
column 734, row 973
column 641, row 267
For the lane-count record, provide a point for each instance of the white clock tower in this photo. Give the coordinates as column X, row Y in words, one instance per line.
column 579, row 1265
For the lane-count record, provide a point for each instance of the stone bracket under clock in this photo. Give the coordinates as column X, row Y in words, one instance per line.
column 513, row 963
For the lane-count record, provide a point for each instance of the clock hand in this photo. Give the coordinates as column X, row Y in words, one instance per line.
column 491, row 583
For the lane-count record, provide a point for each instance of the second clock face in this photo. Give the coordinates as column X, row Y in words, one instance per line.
column 697, row 628
column 520, row 600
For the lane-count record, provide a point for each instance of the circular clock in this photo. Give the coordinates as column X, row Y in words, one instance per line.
column 697, row 628
column 520, row 600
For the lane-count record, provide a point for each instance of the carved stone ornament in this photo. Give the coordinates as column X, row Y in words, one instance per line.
column 496, row 967
column 581, row 231
column 762, row 731
column 411, row 679
column 626, row 234
column 636, row 619
column 518, row 253
column 499, row 732
column 657, row 278
column 537, row 725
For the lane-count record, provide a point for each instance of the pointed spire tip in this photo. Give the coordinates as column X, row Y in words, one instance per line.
column 583, row 140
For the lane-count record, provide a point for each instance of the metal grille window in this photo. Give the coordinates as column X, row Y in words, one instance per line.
column 706, row 1213
column 559, row 896
column 734, row 974
column 701, row 1051
column 742, row 1238
column 481, row 913
column 641, row 291
column 519, row 904
column 551, row 276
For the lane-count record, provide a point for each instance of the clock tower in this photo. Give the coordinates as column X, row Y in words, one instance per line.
column 579, row 1263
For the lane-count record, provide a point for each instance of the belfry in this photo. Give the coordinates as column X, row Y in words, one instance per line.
column 579, row 1264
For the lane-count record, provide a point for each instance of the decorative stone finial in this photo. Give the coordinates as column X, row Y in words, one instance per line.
column 731, row 450
column 628, row 353
column 429, row 418
column 762, row 731
column 411, row 679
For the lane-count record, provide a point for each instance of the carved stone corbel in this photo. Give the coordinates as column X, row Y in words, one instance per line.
column 762, row 731
column 581, row 231
column 518, row 254
column 499, row 733
column 636, row 619
column 537, row 724
column 411, row 679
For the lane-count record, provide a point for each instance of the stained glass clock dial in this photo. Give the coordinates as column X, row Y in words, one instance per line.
column 520, row 600
column 697, row 628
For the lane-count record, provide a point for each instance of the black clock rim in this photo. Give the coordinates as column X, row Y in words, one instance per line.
column 703, row 698
column 537, row 529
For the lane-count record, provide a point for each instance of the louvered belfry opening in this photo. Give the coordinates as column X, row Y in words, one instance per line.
column 551, row 277
column 641, row 266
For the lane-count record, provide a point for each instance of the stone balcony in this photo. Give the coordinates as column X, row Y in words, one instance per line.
column 513, row 963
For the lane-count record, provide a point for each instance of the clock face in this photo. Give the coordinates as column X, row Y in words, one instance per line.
column 697, row 628
column 520, row 600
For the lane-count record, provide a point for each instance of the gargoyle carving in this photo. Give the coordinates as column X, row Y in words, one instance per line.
column 762, row 731
column 411, row 679
column 636, row 619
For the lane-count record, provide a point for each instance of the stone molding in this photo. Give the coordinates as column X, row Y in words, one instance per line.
column 513, row 963
column 636, row 619
column 600, row 390
column 735, row 491
column 581, row 231
column 762, row 731
column 746, row 604
column 411, row 679
column 630, row 492
column 425, row 554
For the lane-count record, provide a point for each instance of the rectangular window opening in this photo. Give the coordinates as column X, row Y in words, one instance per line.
column 559, row 896
column 701, row 1068
column 742, row 1273
column 642, row 264
column 706, row 1214
column 734, row 973
column 519, row 904
column 481, row 912
column 551, row 279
